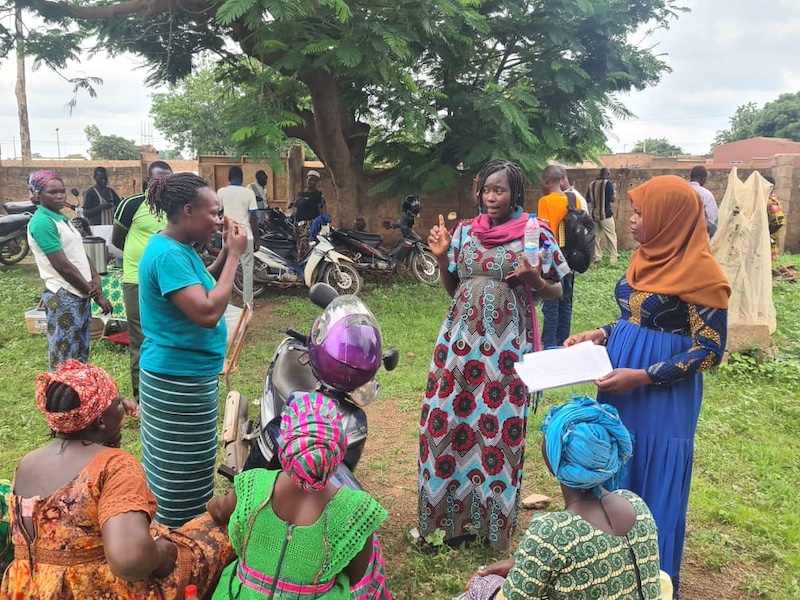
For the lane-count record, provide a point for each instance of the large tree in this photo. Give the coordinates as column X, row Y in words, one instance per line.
column 657, row 146
column 110, row 147
column 430, row 88
column 196, row 114
column 779, row 118
column 741, row 125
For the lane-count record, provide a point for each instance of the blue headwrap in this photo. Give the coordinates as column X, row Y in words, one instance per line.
column 587, row 444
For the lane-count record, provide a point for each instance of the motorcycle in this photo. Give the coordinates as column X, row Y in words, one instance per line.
column 14, row 229
column 339, row 358
column 14, row 238
column 365, row 248
column 321, row 264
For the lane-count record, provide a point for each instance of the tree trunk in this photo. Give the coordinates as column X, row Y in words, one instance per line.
column 339, row 141
column 22, row 98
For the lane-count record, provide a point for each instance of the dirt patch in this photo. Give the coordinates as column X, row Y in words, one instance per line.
column 389, row 471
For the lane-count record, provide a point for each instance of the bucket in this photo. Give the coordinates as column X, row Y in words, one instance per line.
column 97, row 251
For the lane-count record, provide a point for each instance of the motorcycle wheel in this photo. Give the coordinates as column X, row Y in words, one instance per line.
column 425, row 268
column 14, row 250
column 343, row 278
column 238, row 280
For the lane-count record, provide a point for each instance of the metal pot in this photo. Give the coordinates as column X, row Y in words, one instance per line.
column 97, row 251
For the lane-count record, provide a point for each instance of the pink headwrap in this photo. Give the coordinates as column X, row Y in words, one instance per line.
column 38, row 179
column 313, row 441
column 96, row 391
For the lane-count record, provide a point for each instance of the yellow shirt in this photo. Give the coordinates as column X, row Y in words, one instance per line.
column 552, row 209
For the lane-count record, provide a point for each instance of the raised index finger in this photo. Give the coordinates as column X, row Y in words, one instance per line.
column 441, row 222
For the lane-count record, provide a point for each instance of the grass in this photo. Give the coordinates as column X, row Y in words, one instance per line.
column 744, row 511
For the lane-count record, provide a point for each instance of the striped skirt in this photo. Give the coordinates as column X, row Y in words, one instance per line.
column 179, row 442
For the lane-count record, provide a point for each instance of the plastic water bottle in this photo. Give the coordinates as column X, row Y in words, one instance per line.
column 547, row 257
column 190, row 593
column 532, row 240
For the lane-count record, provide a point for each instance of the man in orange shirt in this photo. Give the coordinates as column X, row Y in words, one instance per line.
column 552, row 209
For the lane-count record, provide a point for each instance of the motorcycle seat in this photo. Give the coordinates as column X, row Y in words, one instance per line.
column 291, row 372
column 371, row 239
column 16, row 208
column 12, row 223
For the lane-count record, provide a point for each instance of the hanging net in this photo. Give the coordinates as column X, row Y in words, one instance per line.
column 741, row 246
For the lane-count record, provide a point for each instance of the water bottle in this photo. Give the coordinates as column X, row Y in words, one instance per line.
column 532, row 240
column 190, row 593
column 547, row 257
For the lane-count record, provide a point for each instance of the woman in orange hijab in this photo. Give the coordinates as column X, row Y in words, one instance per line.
column 673, row 323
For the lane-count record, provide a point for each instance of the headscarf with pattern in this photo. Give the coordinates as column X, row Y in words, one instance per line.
column 586, row 444
column 38, row 179
column 96, row 391
column 675, row 258
column 313, row 441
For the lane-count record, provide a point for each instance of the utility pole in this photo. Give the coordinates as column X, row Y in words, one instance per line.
column 22, row 98
column 58, row 143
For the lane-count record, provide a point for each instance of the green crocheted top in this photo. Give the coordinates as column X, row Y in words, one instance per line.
column 308, row 555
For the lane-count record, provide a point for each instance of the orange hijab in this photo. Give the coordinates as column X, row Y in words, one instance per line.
column 675, row 258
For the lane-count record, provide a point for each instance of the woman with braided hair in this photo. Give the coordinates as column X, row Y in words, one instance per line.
column 182, row 307
column 475, row 411
column 81, row 513
column 603, row 544
column 295, row 533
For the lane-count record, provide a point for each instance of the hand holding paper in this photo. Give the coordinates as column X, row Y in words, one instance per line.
column 561, row 367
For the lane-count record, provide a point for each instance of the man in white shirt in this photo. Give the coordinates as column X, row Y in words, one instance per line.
column 566, row 186
column 239, row 203
column 697, row 179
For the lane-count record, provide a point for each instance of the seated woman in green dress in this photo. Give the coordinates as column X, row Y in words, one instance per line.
column 603, row 544
column 295, row 534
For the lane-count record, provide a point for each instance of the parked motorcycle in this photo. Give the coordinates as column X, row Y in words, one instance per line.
column 14, row 238
column 14, row 229
column 409, row 251
column 321, row 264
column 339, row 358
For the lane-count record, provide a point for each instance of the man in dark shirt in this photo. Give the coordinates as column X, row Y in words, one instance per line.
column 309, row 203
column 601, row 196
column 100, row 201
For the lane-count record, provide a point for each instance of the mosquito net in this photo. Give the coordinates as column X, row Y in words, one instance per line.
column 741, row 246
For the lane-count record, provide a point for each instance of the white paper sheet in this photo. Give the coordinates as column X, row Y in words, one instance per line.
column 561, row 367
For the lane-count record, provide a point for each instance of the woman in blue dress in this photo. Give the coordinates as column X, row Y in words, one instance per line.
column 475, row 411
column 673, row 323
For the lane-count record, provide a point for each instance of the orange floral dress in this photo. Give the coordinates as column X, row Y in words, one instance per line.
column 66, row 560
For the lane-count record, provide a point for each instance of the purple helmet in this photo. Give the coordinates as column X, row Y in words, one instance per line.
column 344, row 346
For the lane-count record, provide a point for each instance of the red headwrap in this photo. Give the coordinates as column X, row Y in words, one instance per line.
column 96, row 391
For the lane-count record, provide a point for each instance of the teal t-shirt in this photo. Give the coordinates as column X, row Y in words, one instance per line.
column 173, row 343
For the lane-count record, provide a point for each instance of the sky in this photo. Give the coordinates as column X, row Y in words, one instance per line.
column 724, row 53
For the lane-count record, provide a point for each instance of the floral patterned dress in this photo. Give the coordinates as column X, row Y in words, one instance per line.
column 475, row 413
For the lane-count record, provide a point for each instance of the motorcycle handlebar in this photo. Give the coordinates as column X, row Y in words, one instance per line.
column 300, row 337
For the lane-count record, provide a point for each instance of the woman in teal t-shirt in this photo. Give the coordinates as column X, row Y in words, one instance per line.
column 182, row 307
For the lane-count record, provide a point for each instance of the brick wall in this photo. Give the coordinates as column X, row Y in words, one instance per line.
column 125, row 177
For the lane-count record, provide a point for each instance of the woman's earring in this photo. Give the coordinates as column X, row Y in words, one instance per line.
column 100, row 424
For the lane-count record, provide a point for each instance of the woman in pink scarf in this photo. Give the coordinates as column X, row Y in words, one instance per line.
column 475, row 413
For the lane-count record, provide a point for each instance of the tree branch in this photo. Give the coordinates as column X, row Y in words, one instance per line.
column 55, row 9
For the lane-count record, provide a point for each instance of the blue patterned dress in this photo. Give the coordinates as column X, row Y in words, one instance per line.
column 675, row 342
column 475, row 413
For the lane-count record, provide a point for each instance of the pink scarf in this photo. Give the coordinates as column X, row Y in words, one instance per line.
column 513, row 229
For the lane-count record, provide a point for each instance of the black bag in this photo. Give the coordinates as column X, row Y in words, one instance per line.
column 578, row 236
